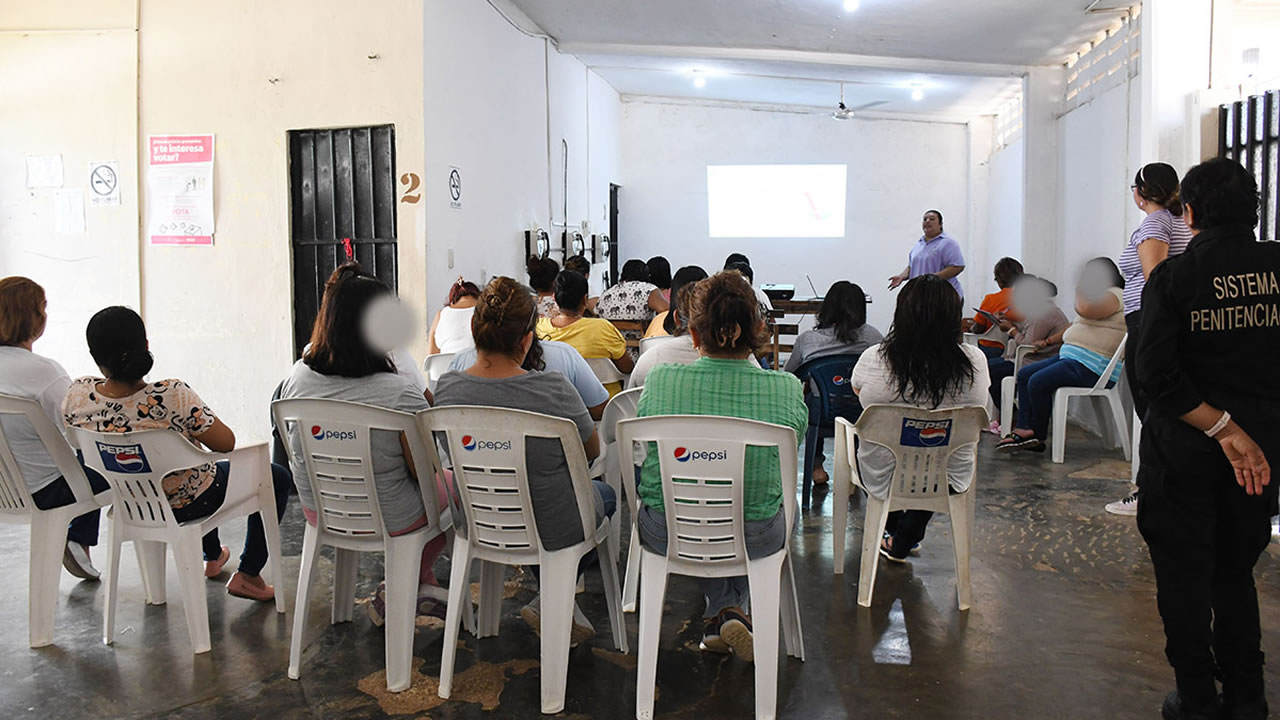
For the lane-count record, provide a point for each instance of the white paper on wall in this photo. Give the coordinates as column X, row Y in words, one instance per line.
column 44, row 171
column 68, row 211
column 180, row 190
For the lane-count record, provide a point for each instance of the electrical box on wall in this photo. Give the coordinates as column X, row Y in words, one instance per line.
column 573, row 243
column 601, row 249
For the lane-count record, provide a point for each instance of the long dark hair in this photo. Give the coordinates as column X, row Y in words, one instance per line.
column 659, row 272
column 338, row 346
column 685, row 277
column 923, row 347
column 571, row 290
column 542, row 273
column 844, row 310
column 634, row 271
column 118, row 343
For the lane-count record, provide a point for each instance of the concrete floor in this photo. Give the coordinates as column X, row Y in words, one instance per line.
column 1063, row 625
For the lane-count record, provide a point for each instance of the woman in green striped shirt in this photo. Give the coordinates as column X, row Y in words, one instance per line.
column 727, row 329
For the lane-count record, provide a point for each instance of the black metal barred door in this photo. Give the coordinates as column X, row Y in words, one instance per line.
column 342, row 206
column 1249, row 133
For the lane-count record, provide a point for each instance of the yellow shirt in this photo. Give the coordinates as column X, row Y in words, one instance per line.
column 656, row 328
column 592, row 337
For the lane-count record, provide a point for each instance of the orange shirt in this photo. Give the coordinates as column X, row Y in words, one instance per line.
column 996, row 302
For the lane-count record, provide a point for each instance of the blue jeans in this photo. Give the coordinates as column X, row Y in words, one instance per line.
column 83, row 528
column 1038, row 382
column 254, row 556
column 764, row 538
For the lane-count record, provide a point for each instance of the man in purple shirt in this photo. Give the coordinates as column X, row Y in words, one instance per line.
column 936, row 253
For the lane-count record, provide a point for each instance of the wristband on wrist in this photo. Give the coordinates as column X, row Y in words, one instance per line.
column 1218, row 426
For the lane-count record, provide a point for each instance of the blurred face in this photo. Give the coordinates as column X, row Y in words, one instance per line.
column 931, row 225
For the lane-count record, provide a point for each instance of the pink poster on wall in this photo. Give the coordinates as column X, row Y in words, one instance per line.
column 180, row 189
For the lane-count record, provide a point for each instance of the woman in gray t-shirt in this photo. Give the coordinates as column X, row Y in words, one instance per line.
column 503, row 325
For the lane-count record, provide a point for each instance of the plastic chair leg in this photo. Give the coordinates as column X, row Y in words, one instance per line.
column 872, row 531
column 306, row 581
column 113, row 581
column 612, row 476
column 346, row 563
column 1119, row 418
column 186, row 555
column 840, row 501
column 48, row 542
column 764, row 577
column 631, row 585
column 491, row 577
column 559, row 577
column 1061, row 403
column 271, row 528
column 1134, row 447
column 613, row 597
column 151, row 564
column 792, row 630
column 1008, row 386
column 961, row 529
column 403, row 557
column 651, row 601
column 810, row 441
column 459, row 592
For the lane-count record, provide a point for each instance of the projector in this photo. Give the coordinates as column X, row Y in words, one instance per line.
column 779, row 292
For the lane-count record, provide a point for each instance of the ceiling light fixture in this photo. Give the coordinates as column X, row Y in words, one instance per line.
column 699, row 81
column 917, row 94
column 850, row 5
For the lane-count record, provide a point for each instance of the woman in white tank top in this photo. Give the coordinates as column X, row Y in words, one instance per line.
column 451, row 330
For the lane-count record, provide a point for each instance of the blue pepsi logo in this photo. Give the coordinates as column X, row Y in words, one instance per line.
column 320, row 433
column 471, row 444
column 683, row 454
column 839, row 380
column 925, row 433
column 124, row 459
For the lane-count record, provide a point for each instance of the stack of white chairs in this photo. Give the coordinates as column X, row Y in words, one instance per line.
column 487, row 449
column 334, row 438
column 135, row 463
column 919, row 480
column 48, row 527
column 702, row 464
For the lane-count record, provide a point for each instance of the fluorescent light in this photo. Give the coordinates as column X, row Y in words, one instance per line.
column 850, row 5
column 699, row 81
column 917, row 94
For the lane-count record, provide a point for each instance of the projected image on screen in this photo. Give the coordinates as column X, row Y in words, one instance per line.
column 776, row 201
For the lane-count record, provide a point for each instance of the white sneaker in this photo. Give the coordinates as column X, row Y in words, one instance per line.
column 76, row 560
column 1127, row 506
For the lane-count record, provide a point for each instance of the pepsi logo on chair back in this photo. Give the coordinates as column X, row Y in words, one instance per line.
column 839, row 380
column 124, row 459
column 683, row 454
column 925, row 433
column 320, row 433
column 470, row 443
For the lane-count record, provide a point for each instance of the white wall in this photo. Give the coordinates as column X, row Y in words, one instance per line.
column 1004, row 215
column 897, row 170
column 497, row 104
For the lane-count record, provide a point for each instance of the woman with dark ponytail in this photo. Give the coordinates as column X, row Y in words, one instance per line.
column 121, row 401
column 1162, row 235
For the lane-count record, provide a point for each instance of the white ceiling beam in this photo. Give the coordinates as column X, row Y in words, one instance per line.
column 949, row 118
column 876, row 62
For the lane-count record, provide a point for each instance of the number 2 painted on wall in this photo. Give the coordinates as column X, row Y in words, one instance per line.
column 411, row 181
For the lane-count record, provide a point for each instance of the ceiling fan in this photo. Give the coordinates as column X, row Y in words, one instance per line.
column 844, row 112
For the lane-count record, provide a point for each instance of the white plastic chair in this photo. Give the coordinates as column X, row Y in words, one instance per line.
column 993, row 333
column 433, row 366
column 1009, row 388
column 141, row 513
column 919, row 481
column 622, row 407
column 1113, row 413
column 606, row 372
column 487, row 447
column 335, row 440
column 647, row 343
column 48, row 527
column 703, row 497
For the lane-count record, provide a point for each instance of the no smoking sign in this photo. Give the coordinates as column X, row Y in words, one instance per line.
column 104, row 183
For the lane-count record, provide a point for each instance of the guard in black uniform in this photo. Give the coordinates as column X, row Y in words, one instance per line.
column 1207, row 362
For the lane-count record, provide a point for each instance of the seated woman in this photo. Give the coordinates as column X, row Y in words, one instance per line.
column 922, row 363
column 679, row 349
column 841, row 329
column 727, row 329
column 542, row 278
column 664, row 324
column 634, row 298
column 29, row 376
column 504, row 330
column 998, row 303
column 120, row 401
column 660, row 275
column 1087, row 348
column 579, row 264
column 339, row 365
column 451, row 330
column 555, row 357
column 595, row 338
column 1043, row 321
